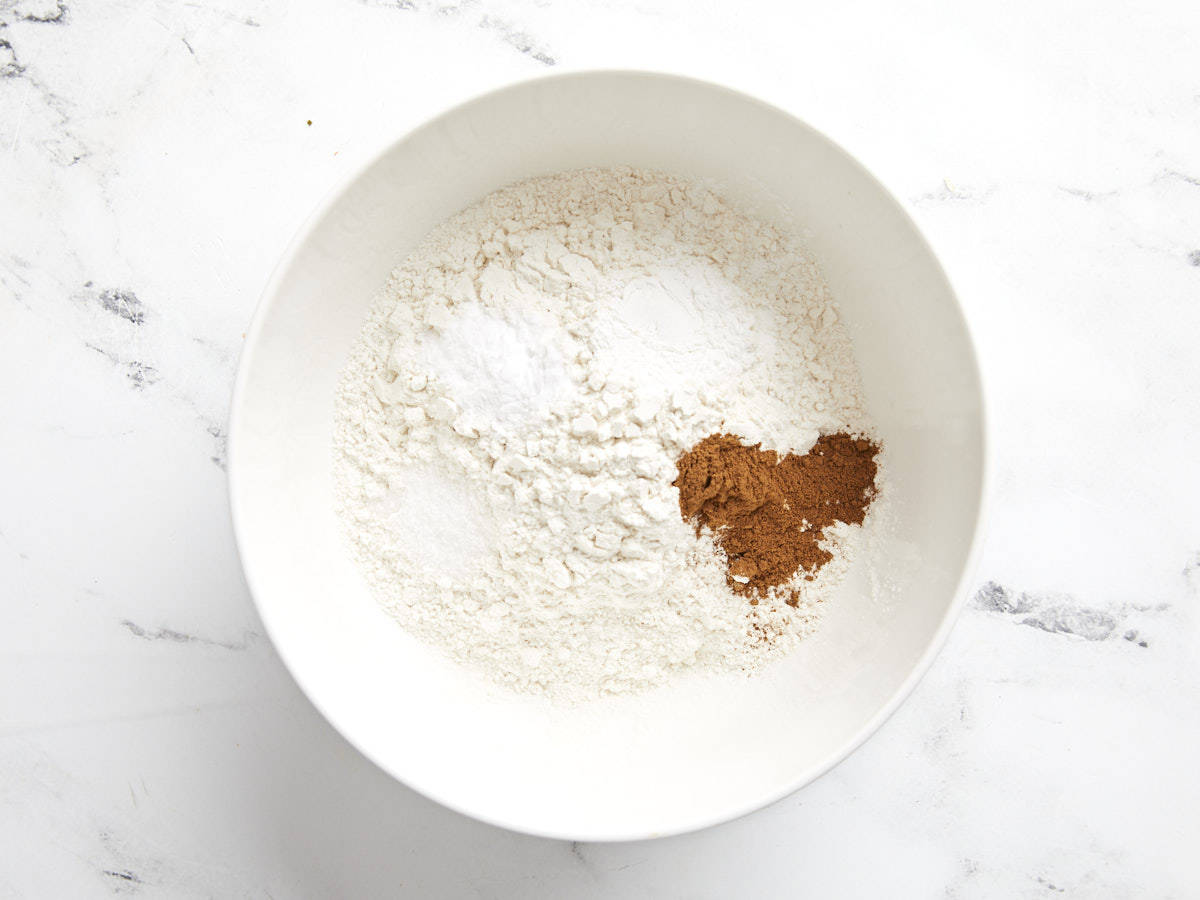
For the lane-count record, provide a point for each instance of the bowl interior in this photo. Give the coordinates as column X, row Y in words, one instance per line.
column 699, row 751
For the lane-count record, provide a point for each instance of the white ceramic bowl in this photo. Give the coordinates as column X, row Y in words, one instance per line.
column 675, row 759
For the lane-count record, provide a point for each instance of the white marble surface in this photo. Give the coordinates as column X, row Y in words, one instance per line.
column 154, row 160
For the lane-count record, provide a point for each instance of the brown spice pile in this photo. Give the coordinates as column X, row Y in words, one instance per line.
column 769, row 512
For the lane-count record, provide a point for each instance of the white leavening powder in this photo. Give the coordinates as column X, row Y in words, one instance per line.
column 509, row 422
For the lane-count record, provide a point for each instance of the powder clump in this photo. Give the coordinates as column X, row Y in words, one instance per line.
column 769, row 512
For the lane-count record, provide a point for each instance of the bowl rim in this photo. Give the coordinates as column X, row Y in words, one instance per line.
column 262, row 312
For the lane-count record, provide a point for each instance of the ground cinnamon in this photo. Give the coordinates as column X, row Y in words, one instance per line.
column 768, row 512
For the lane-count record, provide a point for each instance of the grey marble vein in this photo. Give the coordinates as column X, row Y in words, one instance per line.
column 122, row 875
column 122, row 304
column 1061, row 613
column 133, row 342
column 9, row 66
column 515, row 36
column 518, row 39
column 170, row 635
column 951, row 193
column 1191, row 572
column 44, row 14
column 58, row 137
column 1087, row 195
column 1176, row 175
column 139, row 374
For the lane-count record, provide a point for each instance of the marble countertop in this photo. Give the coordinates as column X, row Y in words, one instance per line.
column 155, row 157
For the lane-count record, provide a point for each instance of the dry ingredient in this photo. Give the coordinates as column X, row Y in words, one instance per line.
column 769, row 512
column 509, row 422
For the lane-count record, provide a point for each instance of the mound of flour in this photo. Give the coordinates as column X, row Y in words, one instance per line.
column 508, row 425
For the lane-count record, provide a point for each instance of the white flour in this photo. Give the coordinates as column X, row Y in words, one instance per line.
column 508, row 425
